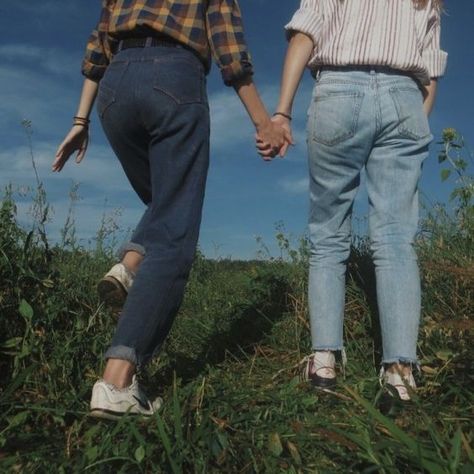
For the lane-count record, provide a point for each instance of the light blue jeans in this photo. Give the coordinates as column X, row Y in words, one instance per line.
column 370, row 118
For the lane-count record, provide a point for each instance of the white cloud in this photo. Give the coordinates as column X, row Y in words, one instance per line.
column 100, row 169
column 230, row 125
column 50, row 60
column 42, row 99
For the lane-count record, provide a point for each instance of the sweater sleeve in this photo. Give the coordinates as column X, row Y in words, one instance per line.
column 307, row 19
column 434, row 57
column 98, row 51
column 226, row 39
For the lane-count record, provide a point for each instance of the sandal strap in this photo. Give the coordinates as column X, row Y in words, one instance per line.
column 332, row 369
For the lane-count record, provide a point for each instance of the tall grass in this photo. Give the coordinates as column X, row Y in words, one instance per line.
column 230, row 373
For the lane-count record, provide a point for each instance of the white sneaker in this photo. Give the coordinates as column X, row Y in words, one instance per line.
column 115, row 285
column 403, row 385
column 111, row 402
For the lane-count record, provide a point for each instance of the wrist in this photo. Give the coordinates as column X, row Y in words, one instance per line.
column 79, row 121
column 284, row 109
column 262, row 123
column 282, row 114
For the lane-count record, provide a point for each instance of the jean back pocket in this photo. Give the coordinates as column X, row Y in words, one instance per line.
column 181, row 78
column 109, row 86
column 413, row 122
column 335, row 116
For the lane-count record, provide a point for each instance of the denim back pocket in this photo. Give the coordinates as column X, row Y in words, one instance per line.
column 180, row 77
column 109, row 86
column 335, row 115
column 408, row 102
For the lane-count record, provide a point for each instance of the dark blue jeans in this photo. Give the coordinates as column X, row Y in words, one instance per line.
column 153, row 107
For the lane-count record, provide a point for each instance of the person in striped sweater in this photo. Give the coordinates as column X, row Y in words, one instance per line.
column 376, row 65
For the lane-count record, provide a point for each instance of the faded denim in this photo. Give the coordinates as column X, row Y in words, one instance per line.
column 153, row 107
column 372, row 119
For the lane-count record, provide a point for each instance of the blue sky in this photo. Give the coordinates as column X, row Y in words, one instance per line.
column 40, row 55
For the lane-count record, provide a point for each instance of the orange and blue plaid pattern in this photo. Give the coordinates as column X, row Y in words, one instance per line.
column 210, row 27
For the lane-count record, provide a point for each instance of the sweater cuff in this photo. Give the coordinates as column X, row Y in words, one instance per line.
column 93, row 71
column 435, row 61
column 308, row 22
column 237, row 69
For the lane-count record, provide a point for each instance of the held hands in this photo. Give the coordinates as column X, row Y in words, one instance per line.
column 76, row 140
column 274, row 138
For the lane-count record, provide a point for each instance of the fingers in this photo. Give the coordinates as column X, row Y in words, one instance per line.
column 289, row 137
column 58, row 162
column 82, row 151
column 271, row 144
column 80, row 154
column 284, row 149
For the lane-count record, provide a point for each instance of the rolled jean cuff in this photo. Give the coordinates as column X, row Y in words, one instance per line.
column 122, row 353
column 128, row 247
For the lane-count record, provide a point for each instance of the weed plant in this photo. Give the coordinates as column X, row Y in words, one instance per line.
column 230, row 371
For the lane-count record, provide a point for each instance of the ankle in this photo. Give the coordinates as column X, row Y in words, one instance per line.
column 324, row 364
column 132, row 260
column 119, row 373
column 402, row 369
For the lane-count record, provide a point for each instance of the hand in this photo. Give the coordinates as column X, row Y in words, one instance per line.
column 76, row 140
column 282, row 126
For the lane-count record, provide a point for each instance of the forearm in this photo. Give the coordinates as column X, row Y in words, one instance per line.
column 249, row 96
column 299, row 51
column 88, row 95
column 430, row 96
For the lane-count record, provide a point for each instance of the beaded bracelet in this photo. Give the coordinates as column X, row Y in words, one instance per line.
column 82, row 121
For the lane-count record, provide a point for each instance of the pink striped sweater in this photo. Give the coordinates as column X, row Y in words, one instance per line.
column 389, row 33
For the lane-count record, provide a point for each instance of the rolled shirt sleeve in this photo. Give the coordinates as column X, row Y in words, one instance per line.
column 226, row 39
column 434, row 58
column 98, row 50
column 308, row 20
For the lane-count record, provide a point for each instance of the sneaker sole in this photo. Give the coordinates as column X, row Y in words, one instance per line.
column 114, row 415
column 112, row 293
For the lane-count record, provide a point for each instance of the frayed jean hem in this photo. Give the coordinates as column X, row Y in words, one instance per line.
column 401, row 360
column 329, row 348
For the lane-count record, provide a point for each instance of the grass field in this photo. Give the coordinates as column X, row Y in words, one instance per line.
column 230, row 372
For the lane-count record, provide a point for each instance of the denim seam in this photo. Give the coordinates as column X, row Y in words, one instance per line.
column 168, row 290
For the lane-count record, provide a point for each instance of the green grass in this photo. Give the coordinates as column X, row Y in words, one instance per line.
column 230, row 372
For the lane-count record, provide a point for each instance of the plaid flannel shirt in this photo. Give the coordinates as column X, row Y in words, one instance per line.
column 209, row 27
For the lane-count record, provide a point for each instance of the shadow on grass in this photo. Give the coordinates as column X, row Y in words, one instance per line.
column 248, row 325
column 361, row 270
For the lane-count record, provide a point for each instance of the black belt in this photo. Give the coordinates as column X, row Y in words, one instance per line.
column 365, row 68
column 149, row 42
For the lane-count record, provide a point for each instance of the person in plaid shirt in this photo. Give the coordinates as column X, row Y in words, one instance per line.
column 146, row 63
